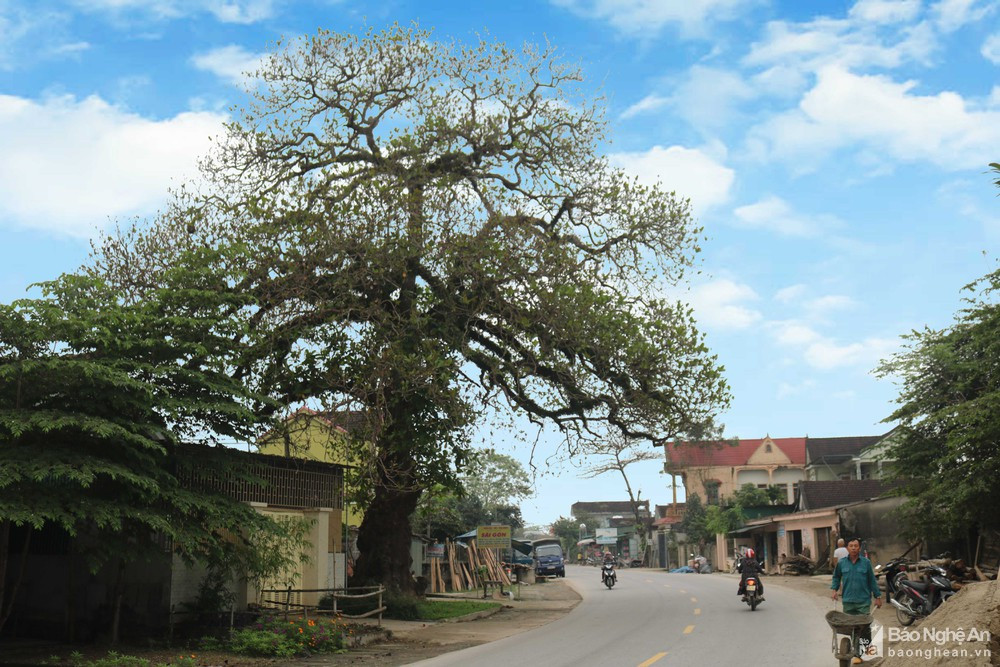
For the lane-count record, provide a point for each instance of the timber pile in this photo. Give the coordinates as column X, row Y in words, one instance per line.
column 798, row 565
column 454, row 573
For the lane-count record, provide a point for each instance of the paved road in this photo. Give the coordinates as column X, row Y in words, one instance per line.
column 654, row 618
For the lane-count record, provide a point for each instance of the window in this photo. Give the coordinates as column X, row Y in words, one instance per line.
column 712, row 492
column 767, row 448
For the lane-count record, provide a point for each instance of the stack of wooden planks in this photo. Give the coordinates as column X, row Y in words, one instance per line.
column 454, row 573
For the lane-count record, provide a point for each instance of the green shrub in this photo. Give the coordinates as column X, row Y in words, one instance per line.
column 401, row 607
column 272, row 637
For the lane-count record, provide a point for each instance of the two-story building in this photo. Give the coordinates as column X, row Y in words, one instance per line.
column 855, row 457
column 715, row 470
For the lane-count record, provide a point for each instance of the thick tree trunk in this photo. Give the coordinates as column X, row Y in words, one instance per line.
column 7, row 598
column 384, row 540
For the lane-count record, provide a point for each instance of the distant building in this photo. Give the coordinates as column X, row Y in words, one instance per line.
column 716, row 470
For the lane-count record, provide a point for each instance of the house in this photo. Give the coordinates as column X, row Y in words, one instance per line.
column 715, row 470
column 58, row 588
column 857, row 457
column 666, row 521
column 822, row 514
column 614, row 527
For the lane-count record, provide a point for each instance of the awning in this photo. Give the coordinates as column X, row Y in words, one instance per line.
column 589, row 540
column 744, row 530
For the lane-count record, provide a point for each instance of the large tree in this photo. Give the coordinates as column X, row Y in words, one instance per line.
column 946, row 450
column 96, row 398
column 430, row 231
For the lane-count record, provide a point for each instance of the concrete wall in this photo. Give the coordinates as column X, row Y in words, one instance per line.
column 878, row 531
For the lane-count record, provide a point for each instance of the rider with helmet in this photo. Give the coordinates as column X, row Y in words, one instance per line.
column 750, row 567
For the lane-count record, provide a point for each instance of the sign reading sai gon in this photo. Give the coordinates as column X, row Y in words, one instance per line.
column 493, row 537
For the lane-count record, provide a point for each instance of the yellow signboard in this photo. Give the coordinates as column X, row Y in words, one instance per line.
column 493, row 537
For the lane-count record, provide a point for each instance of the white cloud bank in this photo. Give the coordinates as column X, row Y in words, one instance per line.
column 690, row 172
column 845, row 109
column 635, row 17
column 226, row 11
column 68, row 164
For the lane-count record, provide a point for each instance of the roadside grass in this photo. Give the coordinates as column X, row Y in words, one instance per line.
column 436, row 610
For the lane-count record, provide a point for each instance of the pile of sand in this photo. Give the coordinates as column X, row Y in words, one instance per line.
column 975, row 607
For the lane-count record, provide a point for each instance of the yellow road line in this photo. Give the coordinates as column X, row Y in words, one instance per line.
column 683, row 592
column 652, row 660
column 697, row 612
column 689, row 629
column 694, row 599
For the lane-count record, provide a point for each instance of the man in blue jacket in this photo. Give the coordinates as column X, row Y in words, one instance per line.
column 860, row 585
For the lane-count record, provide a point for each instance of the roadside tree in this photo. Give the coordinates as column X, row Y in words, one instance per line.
column 945, row 453
column 429, row 232
column 96, row 399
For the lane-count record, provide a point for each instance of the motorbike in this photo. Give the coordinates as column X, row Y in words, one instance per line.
column 608, row 576
column 917, row 599
column 891, row 571
column 752, row 596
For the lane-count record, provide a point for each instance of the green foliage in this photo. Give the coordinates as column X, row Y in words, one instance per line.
column 695, row 522
column 945, row 449
column 568, row 531
column 749, row 495
column 277, row 638
column 97, row 398
column 115, row 659
column 402, row 606
column 721, row 520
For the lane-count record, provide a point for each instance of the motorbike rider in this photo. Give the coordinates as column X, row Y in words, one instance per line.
column 609, row 562
column 750, row 567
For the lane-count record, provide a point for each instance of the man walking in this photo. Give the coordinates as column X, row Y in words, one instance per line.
column 860, row 585
column 839, row 552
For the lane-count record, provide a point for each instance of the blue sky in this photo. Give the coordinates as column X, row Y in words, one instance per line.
column 835, row 152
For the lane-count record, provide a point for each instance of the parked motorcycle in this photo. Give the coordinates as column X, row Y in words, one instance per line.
column 917, row 599
column 891, row 571
column 752, row 596
column 608, row 576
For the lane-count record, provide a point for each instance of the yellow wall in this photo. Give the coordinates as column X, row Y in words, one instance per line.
column 310, row 436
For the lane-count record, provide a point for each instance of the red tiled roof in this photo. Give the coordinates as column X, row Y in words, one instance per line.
column 693, row 454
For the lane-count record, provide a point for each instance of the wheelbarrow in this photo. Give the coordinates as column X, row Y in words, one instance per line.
column 847, row 630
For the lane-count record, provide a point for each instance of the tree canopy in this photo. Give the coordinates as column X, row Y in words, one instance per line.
column 96, row 398
column 946, row 450
column 430, row 231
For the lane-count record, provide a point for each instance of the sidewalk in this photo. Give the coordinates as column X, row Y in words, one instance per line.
column 410, row 641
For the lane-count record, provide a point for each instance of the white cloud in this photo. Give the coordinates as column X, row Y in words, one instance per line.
column 226, row 11
column 793, row 332
column 991, row 48
column 708, row 98
column 849, row 43
column 776, row 215
column 953, row 14
column 718, row 304
column 649, row 16
column 827, row 354
column 69, row 164
column 824, row 305
column 885, row 11
column 249, row 11
column 790, row 293
column 645, row 105
column 887, row 118
column 232, row 63
column 690, row 172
